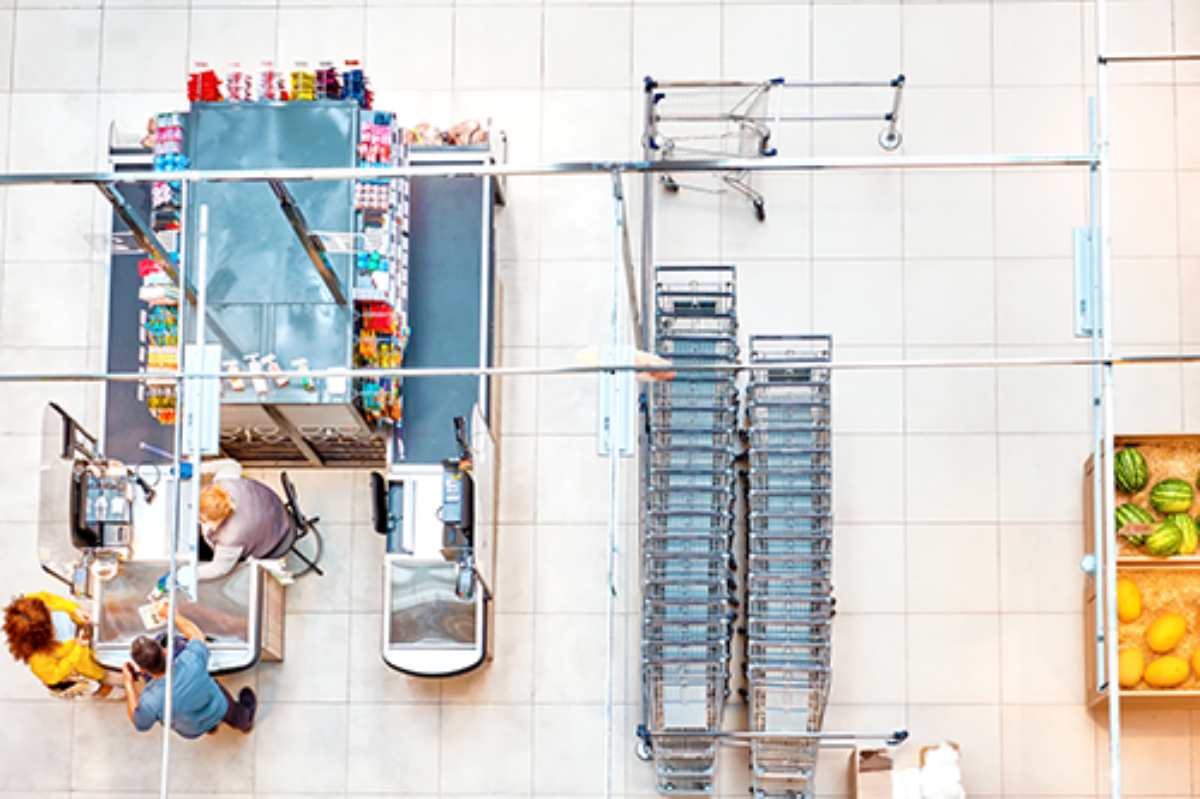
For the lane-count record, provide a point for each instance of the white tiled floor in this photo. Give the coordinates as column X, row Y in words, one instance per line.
column 957, row 492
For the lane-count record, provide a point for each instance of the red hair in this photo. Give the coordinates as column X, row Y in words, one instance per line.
column 29, row 628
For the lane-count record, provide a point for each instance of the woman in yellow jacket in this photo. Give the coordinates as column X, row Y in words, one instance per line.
column 37, row 626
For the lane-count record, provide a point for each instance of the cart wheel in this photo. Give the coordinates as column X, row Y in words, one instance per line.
column 760, row 210
column 669, row 184
column 643, row 751
column 890, row 139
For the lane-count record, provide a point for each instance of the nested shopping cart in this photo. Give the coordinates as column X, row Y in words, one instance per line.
column 789, row 590
column 688, row 568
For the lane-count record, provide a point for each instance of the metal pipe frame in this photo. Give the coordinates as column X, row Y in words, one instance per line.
column 775, row 82
column 148, row 241
column 314, row 248
column 852, row 164
column 1134, row 58
column 1149, row 359
column 884, row 117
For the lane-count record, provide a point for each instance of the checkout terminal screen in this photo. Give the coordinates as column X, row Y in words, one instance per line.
column 425, row 611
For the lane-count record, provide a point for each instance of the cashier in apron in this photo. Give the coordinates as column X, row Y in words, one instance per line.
column 242, row 518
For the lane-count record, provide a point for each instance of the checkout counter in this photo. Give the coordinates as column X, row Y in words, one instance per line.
column 436, row 503
column 440, row 564
column 104, row 529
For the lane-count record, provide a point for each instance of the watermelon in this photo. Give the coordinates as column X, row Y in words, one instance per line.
column 1128, row 513
column 1171, row 496
column 1191, row 537
column 1165, row 541
column 1130, row 470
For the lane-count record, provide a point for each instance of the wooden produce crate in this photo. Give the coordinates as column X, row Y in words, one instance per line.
column 1164, row 589
column 1166, row 584
column 1166, row 456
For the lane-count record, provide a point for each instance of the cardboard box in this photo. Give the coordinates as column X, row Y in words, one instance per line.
column 871, row 774
column 927, row 749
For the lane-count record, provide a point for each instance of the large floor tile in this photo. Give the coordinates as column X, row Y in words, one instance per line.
column 301, row 747
column 846, row 288
column 501, row 749
column 330, row 592
column 371, row 680
column 569, row 750
column 951, row 478
column 947, row 214
column 1030, row 731
column 515, row 573
column 868, row 400
column 949, row 301
column 1048, row 492
column 952, row 569
column 878, row 679
column 577, row 234
column 25, row 323
column 869, row 568
column 582, row 499
column 192, row 763
column 1039, row 567
column 1155, row 753
column 1037, row 43
column 29, row 764
column 518, row 480
column 572, row 569
column 108, row 754
column 394, row 749
column 367, row 550
column 1041, row 660
column 518, row 393
column 579, row 678
column 783, row 233
column 950, row 400
column 162, row 34
column 954, row 659
column 865, row 469
column 509, row 677
column 846, row 204
column 1022, row 393
column 71, row 64
column 315, row 665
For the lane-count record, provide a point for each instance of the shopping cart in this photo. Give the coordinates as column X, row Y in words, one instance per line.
column 789, row 589
column 689, row 586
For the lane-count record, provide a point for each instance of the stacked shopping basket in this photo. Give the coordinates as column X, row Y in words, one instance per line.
column 789, row 603
column 689, row 587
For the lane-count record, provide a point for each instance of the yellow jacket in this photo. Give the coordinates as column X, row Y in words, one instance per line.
column 68, row 658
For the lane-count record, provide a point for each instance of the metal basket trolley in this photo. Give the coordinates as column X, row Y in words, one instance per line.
column 789, row 590
column 751, row 111
column 688, row 583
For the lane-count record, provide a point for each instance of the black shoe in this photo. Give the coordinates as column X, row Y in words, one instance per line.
column 248, row 700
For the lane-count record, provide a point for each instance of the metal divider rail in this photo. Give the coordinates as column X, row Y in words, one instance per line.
column 789, row 541
column 688, row 567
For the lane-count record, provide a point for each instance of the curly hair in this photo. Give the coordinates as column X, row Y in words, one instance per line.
column 215, row 504
column 28, row 626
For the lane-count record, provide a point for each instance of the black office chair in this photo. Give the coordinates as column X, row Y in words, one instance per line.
column 306, row 530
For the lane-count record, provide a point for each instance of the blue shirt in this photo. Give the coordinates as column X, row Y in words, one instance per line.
column 199, row 702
